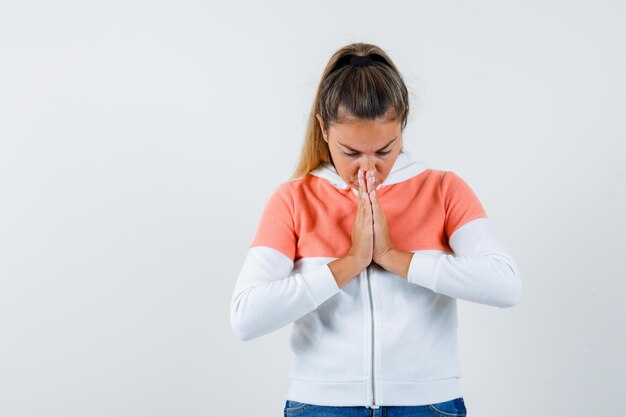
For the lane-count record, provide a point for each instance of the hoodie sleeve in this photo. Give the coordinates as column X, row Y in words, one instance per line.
column 268, row 294
column 482, row 269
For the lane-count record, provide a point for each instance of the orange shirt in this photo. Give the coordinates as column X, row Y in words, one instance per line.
column 311, row 217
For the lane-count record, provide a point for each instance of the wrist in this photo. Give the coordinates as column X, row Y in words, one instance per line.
column 386, row 259
column 396, row 261
column 357, row 263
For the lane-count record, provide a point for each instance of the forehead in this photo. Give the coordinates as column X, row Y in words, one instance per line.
column 364, row 135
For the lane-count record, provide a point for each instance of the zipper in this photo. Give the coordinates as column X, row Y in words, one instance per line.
column 369, row 289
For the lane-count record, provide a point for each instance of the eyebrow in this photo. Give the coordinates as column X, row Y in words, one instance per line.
column 355, row 150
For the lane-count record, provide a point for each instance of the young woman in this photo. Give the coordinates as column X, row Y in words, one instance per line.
column 365, row 250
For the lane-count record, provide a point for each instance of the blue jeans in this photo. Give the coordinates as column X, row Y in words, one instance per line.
column 450, row 408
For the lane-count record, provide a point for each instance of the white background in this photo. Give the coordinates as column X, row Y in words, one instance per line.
column 139, row 142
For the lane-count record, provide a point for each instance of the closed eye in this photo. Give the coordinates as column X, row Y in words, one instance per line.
column 356, row 154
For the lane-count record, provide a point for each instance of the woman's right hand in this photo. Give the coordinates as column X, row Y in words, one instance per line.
column 361, row 252
column 363, row 231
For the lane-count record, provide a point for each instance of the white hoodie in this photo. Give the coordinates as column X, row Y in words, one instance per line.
column 381, row 339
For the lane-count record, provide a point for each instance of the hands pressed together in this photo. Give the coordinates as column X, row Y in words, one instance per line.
column 370, row 239
column 370, row 234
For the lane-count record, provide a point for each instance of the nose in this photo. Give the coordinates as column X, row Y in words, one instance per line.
column 366, row 163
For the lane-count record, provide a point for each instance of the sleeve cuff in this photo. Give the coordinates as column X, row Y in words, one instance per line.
column 422, row 269
column 321, row 283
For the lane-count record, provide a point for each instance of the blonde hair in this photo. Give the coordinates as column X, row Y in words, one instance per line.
column 348, row 92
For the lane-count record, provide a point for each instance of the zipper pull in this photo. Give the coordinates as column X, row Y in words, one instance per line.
column 373, row 406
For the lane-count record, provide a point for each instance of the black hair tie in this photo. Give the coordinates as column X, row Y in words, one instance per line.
column 359, row 61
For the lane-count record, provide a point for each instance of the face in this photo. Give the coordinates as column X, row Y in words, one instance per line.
column 363, row 144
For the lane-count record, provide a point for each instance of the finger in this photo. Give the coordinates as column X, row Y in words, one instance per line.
column 370, row 181
column 362, row 197
column 375, row 203
column 364, row 200
column 373, row 195
column 372, row 191
column 362, row 192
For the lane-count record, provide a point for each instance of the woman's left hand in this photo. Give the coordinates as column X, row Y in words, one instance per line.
column 382, row 240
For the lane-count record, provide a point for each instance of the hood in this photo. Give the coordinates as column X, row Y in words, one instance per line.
column 405, row 167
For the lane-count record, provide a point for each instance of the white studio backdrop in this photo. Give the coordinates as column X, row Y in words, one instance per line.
column 139, row 142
